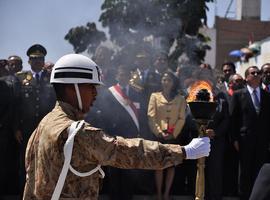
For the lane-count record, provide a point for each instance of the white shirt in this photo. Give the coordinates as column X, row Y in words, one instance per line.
column 35, row 73
column 264, row 86
column 258, row 92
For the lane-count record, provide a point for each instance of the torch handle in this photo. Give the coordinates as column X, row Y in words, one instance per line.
column 200, row 185
column 200, row 179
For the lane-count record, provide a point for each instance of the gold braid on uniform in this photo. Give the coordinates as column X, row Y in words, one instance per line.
column 135, row 82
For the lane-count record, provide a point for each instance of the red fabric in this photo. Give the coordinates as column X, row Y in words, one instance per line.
column 230, row 92
column 170, row 129
column 133, row 107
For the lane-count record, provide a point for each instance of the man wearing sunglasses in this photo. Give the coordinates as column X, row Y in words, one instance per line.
column 250, row 118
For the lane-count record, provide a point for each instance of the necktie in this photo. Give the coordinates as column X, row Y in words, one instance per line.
column 256, row 101
column 37, row 77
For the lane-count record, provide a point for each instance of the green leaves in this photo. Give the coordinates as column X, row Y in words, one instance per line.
column 130, row 22
column 85, row 38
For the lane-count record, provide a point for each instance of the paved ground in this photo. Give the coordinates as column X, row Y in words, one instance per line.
column 104, row 197
column 173, row 198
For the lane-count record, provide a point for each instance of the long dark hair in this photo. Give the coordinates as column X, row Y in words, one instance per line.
column 176, row 83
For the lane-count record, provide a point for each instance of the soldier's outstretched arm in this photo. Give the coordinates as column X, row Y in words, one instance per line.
column 93, row 146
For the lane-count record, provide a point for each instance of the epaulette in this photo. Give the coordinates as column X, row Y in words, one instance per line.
column 25, row 77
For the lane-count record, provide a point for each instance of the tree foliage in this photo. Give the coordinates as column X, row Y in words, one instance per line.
column 130, row 22
column 85, row 38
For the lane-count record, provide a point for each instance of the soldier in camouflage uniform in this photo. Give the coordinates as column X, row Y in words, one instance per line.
column 51, row 163
column 37, row 98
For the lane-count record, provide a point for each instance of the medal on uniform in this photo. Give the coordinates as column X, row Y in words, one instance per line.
column 25, row 82
column 28, row 77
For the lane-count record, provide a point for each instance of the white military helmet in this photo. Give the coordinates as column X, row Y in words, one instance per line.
column 76, row 69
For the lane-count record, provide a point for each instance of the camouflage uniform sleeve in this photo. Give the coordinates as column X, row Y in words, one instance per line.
column 94, row 146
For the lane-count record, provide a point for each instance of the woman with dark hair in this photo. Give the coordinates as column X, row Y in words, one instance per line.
column 166, row 114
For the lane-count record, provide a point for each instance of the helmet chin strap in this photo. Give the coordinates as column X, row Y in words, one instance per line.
column 78, row 96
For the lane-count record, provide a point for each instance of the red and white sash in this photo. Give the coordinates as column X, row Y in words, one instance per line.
column 126, row 103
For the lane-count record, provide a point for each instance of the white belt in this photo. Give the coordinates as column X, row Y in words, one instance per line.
column 68, row 147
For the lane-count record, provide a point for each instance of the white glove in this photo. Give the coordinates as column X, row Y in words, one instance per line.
column 197, row 148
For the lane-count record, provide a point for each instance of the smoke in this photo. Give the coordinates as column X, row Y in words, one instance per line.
column 149, row 27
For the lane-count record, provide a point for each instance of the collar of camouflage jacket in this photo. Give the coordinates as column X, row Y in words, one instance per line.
column 72, row 112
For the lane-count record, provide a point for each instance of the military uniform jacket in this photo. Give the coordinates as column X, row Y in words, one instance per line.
column 37, row 99
column 44, row 156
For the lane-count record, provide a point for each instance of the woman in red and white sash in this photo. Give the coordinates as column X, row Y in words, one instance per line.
column 166, row 114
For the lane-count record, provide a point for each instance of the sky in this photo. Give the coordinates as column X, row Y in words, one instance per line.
column 26, row 22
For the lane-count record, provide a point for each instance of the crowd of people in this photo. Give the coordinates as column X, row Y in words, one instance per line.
column 145, row 97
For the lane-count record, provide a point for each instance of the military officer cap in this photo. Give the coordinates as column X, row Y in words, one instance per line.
column 36, row 51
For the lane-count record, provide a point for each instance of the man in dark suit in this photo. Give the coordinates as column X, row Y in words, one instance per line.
column 228, row 69
column 122, row 110
column 126, row 102
column 7, row 126
column 250, row 119
column 215, row 162
column 37, row 99
column 261, row 189
column 231, row 160
column 10, row 99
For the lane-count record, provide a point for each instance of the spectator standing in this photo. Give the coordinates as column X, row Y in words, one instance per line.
column 250, row 115
column 215, row 162
column 48, row 67
column 153, row 75
column 3, row 67
column 228, row 69
column 37, row 98
column 166, row 114
column 15, row 64
column 126, row 102
column 8, row 124
column 231, row 160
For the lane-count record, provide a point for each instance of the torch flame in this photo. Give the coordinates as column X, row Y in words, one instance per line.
column 196, row 87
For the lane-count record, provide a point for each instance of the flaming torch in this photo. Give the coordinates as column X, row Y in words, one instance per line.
column 202, row 106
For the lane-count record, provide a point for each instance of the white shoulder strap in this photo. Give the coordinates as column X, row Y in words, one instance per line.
column 68, row 147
